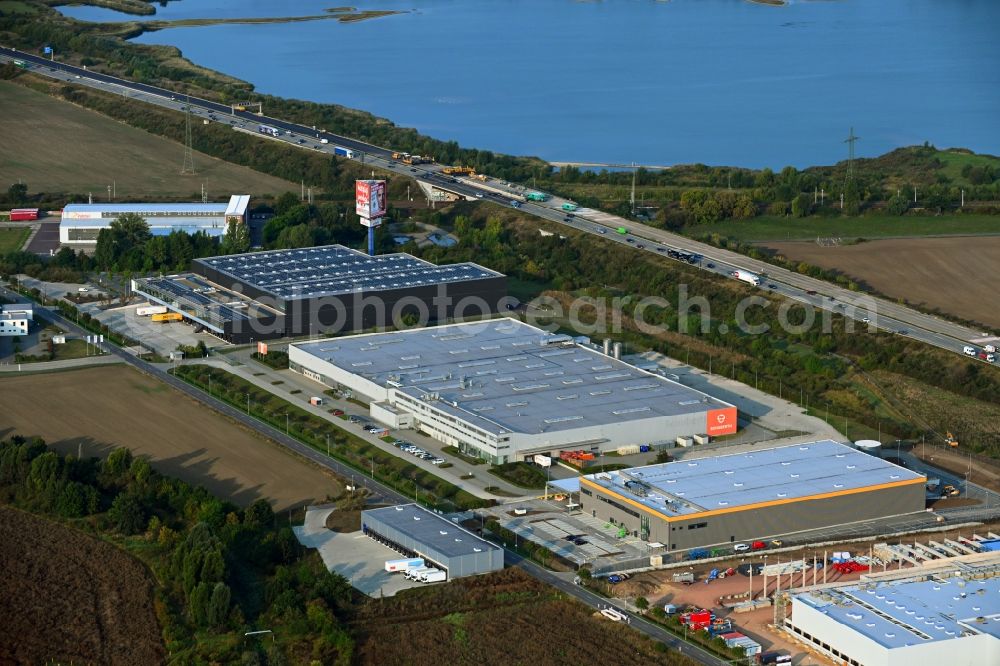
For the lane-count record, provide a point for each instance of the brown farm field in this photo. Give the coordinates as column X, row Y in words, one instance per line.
column 69, row 598
column 55, row 146
column 953, row 275
column 503, row 617
column 112, row 406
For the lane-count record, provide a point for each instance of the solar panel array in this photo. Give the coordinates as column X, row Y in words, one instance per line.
column 194, row 295
column 507, row 376
column 337, row 270
column 741, row 479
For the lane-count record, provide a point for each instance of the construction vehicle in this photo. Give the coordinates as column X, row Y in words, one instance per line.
column 458, row 171
column 416, row 159
column 950, row 440
column 167, row 317
column 482, row 177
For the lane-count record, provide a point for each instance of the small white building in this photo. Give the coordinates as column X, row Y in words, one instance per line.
column 15, row 319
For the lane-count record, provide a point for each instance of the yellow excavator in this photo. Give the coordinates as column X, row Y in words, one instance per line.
column 950, row 440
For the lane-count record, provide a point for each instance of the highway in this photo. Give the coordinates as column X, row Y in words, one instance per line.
column 868, row 311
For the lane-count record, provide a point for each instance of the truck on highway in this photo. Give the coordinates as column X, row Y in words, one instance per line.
column 343, row 152
column 622, row 230
column 149, row 310
column 536, row 196
column 268, row 130
column 989, row 349
column 167, row 317
column 569, row 206
column 747, row 276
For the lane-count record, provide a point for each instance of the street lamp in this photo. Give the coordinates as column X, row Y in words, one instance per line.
column 248, row 404
column 286, row 423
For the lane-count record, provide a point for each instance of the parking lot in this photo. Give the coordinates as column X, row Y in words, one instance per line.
column 162, row 338
column 353, row 555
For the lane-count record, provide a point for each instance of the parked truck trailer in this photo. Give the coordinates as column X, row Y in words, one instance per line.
column 149, row 310
column 406, row 564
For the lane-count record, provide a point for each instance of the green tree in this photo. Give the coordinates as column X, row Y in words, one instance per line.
column 801, row 205
column 127, row 514
column 17, row 193
column 642, row 603
column 131, row 228
column 237, row 239
column 218, row 605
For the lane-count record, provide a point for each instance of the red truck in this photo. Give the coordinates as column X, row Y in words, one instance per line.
column 23, row 214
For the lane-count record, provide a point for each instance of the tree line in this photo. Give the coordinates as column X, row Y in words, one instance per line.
column 222, row 570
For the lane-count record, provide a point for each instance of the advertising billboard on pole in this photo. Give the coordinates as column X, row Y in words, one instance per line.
column 370, row 199
column 721, row 421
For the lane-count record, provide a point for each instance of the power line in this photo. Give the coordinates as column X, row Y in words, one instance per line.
column 850, row 141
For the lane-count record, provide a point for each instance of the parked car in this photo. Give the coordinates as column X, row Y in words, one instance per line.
column 337, row 412
column 777, row 543
column 741, row 547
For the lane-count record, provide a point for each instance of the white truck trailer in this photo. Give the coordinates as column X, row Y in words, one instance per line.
column 747, row 276
column 435, row 576
column 406, row 564
column 149, row 310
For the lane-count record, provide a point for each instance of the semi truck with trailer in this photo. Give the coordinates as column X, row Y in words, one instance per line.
column 414, row 574
column 270, row 131
column 343, row 152
column 23, row 214
column 747, row 276
column 433, row 576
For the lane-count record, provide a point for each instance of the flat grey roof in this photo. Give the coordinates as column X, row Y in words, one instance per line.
column 506, row 376
column 336, row 270
column 896, row 614
column 784, row 473
column 428, row 528
column 194, row 295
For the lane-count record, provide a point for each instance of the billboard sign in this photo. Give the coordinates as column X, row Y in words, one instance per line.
column 369, row 198
column 721, row 422
column 262, row 348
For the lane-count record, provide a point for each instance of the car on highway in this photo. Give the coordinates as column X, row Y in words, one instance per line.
column 661, row 249
column 302, row 140
column 479, row 195
column 741, row 547
column 865, row 320
column 903, row 331
column 710, row 265
column 601, row 231
column 811, row 292
column 772, row 286
column 777, row 543
column 566, row 219
column 413, row 170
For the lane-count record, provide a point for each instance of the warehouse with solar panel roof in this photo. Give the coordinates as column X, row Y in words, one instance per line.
column 331, row 289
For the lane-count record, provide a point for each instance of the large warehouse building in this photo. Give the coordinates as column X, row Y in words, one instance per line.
column 753, row 495
column 503, row 390
column 416, row 532
column 81, row 223
column 283, row 293
column 897, row 619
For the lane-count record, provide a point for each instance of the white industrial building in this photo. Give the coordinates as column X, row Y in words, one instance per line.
column 15, row 319
column 503, row 390
column 80, row 223
column 946, row 615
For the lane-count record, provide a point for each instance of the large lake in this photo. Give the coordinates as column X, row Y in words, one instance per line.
column 622, row 81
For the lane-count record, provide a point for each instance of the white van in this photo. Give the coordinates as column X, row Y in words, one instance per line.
column 969, row 351
column 324, row 141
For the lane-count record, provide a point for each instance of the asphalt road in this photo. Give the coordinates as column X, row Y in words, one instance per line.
column 881, row 313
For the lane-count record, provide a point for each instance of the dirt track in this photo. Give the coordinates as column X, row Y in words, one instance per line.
column 66, row 597
column 952, row 274
column 104, row 407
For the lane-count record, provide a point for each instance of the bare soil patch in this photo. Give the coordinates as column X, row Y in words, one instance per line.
column 101, row 408
column 344, row 521
column 69, row 598
column 950, row 274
